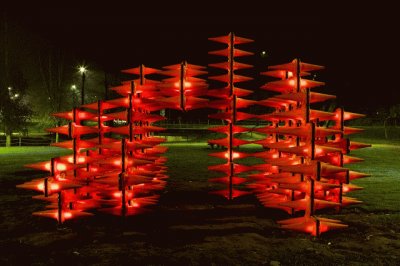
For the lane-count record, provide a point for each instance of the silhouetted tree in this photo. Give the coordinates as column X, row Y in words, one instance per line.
column 14, row 112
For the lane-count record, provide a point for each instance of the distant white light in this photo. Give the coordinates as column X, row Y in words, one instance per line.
column 73, row 87
column 82, row 69
column 16, row 95
column 9, row 88
column 263, row 54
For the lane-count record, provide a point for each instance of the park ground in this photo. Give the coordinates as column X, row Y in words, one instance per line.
column 189, row 226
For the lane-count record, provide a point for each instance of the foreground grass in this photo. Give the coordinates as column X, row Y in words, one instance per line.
column 190, row 226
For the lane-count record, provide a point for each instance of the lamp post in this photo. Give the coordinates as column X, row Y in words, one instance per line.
column 73, row 89
column 82, row 70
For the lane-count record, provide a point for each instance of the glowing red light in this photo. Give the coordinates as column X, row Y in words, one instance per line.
column 310, row 228
column 336, row 160
column 186, row 84
column 54, row 187
column 61, row 167
column 235, row 155
column 134, row 204
column 40, row 187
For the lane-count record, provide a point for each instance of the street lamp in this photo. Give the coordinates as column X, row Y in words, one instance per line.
column 82, row 70
column 74, row 90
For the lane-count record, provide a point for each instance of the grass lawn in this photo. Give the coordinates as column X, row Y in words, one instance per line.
column 190, row 226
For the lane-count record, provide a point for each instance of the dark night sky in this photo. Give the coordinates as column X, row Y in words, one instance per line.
column 354, row 44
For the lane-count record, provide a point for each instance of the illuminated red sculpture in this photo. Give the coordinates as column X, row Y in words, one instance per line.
column 228, row 102
column 305, row 170
column 116, row 164
column 117, row 167
column 118, row 171
column 183, row 88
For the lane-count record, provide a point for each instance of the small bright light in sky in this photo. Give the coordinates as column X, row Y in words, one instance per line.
column 82, row 69
column 263, row 53
column 9, row 88
column 73, row 87
column 16, row 95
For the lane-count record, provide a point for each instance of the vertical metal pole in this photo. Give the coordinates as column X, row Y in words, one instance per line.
column 308, row 105
column 74, row 140
column 129, row 117
column 59, row 210
column 317, row 227
column 121, row 178
column 312, row 141
column 230, row 149
column 99, row 123
column 298, row 76
column 182, row 85
column 83, row 88
column 312, row 196
column 231, row 94
column 141, row 74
